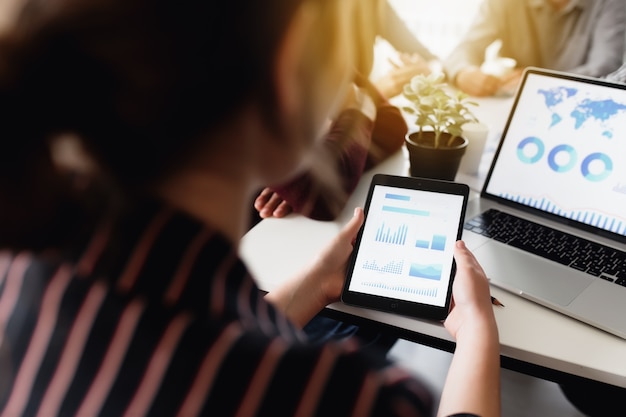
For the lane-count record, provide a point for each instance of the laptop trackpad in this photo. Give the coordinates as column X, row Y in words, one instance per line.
column 537, row 277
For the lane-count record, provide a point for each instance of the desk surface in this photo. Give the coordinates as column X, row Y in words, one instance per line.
column 529, row 333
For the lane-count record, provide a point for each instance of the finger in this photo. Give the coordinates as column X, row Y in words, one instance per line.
column 413, row 59
column 265, row 195
column 283, row 209
column 508, row 78
column 274, row 201
column 406, row 73
column 351, row 229
column 270, row 206
column 510, row 84
column 491, row 84
column 262, row 199
column 465, row 258
column 470, row 274
column 393, row 63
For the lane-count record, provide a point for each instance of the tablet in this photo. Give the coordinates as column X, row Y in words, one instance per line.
column 403, row 260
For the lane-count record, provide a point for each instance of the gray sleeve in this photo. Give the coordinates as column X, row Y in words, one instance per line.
column 471, row 49
column 395, row 31
column 606, row 51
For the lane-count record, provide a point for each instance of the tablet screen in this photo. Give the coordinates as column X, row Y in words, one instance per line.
column 405, row 249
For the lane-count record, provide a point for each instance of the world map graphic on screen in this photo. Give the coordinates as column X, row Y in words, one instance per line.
column 567, row 102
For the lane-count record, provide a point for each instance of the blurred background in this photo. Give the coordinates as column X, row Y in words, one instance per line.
column 7, row 10
column 437, row 24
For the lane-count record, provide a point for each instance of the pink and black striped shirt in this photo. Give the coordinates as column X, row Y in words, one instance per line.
column 156, row 315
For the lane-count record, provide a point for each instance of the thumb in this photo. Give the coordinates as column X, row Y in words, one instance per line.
column 465, row 258
column 350, row 230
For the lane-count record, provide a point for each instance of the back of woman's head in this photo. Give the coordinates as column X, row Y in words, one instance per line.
column 137, row 81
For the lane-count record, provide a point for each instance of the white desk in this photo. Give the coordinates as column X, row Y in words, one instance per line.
column 533, row 339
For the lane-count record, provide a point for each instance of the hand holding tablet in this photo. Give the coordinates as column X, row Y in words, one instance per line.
column 403, row 258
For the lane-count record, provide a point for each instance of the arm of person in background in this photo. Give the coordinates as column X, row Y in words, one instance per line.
column 389, row 129
column 356, row 143
column 462, row 66
column 509, row 83
column 413, row 57
column 395, row 31
column 474, row 82
column 347, row 144
column 405, row 67
column 608, row 41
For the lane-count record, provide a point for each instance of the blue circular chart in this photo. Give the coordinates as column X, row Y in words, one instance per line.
column 528, row 141
column 608, row 166
column 559, row 149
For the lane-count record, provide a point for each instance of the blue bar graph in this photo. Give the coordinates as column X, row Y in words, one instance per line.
column 427, row 292
column 403, row 210
column 439, row 242
column 399, row 197
column 611, row 224
column 398, row 237
column 424, row 244
column 391, row 267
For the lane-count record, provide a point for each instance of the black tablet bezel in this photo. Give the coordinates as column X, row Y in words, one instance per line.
column 398, row 306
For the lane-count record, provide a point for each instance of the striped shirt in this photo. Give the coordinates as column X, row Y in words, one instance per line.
column 156, row 315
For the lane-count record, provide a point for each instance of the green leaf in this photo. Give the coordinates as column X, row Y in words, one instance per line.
column 436, row 106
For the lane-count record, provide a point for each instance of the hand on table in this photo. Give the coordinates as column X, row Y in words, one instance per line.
column 476, row 83
column 406, row 67
column 270, row 204
column 509, row 83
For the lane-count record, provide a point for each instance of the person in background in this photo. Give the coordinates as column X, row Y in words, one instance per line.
column 367, row 131
column 412, row 56
column 580, row 36
column 121, row 291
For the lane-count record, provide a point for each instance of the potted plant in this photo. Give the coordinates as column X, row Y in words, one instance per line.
column 436, row 148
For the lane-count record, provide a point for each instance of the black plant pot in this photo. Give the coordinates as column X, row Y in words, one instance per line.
column 429, row 162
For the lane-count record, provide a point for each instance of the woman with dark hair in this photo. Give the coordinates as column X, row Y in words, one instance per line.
column 121, row 292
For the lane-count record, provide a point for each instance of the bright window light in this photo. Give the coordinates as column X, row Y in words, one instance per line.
column 437, row 24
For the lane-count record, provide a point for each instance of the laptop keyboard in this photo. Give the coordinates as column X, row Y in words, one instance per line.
column 577, row 253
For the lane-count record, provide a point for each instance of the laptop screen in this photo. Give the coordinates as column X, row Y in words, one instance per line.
column 563, row 151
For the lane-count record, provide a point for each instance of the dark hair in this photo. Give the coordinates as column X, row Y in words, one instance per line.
column 139, row 81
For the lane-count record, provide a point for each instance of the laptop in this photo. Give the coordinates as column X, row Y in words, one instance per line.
column 550, row 223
